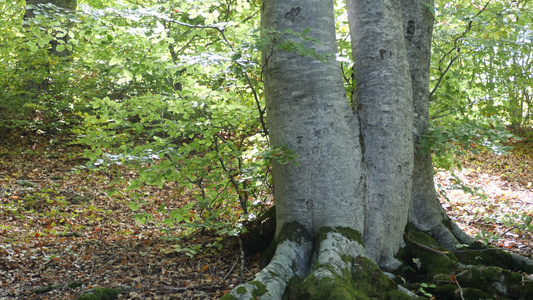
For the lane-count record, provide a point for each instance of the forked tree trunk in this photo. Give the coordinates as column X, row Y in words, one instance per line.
column 342, row 206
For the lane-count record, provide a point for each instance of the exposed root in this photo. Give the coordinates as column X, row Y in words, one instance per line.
column 292, row 259
column 342, row 271
column 470, row 273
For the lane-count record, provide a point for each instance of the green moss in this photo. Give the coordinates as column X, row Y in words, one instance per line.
column 442, row 292
column 472, row 293
column 368, row 278
column 260, row 288
column 422, row 264
column 293, row 231
column 327, row 288
column 479, row 254
column 241, row 290
column 229, row 297
column 101, row 294
column 484, row 272
column 349, row 233
column 497, row 281
column 364, row 281
column 74, row 285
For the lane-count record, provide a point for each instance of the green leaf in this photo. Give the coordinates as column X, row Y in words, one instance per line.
column 134, row 206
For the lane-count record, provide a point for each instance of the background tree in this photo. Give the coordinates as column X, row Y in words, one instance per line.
column 53, row 9
column 473, row 42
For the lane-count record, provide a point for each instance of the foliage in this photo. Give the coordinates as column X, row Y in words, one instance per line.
column 39, row 91
column 173, row 90
column 480, row 71
column 452, row 139
column 189, row 114
column 166, row 98
column 482, row 61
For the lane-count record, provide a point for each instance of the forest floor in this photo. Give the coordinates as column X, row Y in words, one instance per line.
column 62, row 235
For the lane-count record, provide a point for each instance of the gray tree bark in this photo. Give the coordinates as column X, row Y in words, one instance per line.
column 384, row 104
column 360, row 175
column 308, row 112
column 425, row 211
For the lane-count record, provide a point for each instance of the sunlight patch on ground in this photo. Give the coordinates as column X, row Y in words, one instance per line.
column 498, row 208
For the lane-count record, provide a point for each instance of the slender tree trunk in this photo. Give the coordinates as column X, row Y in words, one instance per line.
column 384, row 104
column 48, row 8
column 425, row 210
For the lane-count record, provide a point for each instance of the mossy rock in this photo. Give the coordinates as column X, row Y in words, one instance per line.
column 101, row 294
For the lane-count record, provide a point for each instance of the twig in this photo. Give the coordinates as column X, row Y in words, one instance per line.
column 236, row 262
column 230, row 270
column 460, row 289
column 241, row 256
column 455, row 47
column 429, row 248
column 442, row 76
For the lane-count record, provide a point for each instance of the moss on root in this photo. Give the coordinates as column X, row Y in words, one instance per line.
column 348, row 233
column 478, row 272
column 422, row 264
column 260, row 289
column 293, row 231
column 480, row 254
column 364, row 281
column 497, row 282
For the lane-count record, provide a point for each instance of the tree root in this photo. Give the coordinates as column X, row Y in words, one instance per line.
column 340, row 270
column 291, row 260
column 473, row 272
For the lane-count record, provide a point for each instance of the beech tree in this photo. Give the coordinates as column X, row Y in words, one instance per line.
column 344, row 204
column 49, row 8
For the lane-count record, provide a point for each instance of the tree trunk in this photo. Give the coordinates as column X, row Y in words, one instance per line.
column 50, row 9
column 343, row 204
column 425, row 211
column 320, row 202
column 59, row 6
column 384, row 104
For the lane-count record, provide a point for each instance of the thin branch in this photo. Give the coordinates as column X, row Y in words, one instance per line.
column 442, row 76
column 230, row 45
column 455, row 47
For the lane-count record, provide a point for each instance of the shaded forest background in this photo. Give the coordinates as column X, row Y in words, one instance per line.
column 135, row 154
